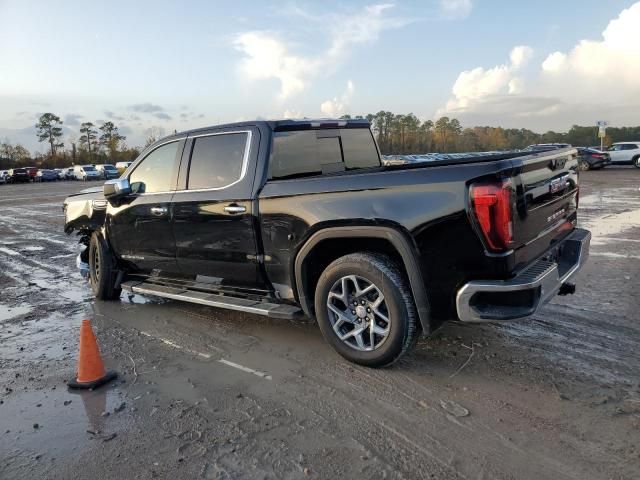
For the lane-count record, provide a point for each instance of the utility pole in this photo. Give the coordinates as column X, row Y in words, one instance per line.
column 602, row 132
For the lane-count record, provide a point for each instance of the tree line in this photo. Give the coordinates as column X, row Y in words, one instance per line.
column 407, row 134
column 95, row 144
column 395, row 133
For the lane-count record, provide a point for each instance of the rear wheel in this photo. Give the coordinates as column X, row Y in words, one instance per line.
column 583, row 165
column 102, row 269
column 636, row 162
column 365, row 309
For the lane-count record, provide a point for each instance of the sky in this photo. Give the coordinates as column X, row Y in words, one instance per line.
column 159, row 66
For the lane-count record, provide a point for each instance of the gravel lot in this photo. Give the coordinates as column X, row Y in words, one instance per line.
column 551, row 398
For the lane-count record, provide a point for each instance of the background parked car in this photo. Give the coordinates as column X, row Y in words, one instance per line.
column 46, row 175
column 69, row 173
column 545, row 147
column 107, row 171
column 32, row 171
column 86, row 172
column 19, row 175
column 624, row 153
column 122, row 166
column 592, row 159
column 4, row 176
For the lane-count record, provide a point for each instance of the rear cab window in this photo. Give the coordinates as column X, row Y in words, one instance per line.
column 319, row 152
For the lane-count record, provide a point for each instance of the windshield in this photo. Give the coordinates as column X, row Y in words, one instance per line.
column 89, row 169
column 109, row 167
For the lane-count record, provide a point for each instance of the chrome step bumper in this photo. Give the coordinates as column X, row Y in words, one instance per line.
column 523, row 295
column 274, row 310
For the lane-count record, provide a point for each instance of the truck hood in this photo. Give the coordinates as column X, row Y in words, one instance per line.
column 92, row 190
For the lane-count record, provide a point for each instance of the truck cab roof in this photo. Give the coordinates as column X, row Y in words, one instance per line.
column 276, row 125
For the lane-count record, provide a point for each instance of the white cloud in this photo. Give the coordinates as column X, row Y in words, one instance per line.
column 520, row 55
column 613, row 61
column 338, row 106
column 474, row 85
column 456, row 8
column 596, row 79
column 554, row 62
column 292, row 114
column 267, row 56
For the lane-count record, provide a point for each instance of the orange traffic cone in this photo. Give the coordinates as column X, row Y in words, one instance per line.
column 91, row 372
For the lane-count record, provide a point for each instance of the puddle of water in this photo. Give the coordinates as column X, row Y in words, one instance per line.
column 135, row 298
column 8, row 251
column 607, row 199
column 62, row 428
column 614, row 255
column 32, row 248
column 7, row 312
column 611, row 225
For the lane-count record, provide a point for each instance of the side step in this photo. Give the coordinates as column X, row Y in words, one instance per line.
column 273, row 310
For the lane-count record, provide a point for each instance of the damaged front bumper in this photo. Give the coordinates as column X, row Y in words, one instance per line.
column 521, row 296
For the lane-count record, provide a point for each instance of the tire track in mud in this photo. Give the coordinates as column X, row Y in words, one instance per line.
column 463, row 446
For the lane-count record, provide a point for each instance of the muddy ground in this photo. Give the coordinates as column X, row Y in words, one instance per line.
column 206, row 393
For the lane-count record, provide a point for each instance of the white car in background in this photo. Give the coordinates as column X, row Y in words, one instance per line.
column 4, row 175
column 86, row 172
column 107, row 171
column 625, row 153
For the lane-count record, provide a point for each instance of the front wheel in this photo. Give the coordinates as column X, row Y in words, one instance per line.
column 365, row 309
column 102, row 269
column 636, row 162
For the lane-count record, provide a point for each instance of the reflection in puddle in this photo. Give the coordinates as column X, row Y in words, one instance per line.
column 94, row 403
column 136, row 298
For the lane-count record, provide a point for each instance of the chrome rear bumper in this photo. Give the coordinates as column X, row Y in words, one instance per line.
column 524, row 294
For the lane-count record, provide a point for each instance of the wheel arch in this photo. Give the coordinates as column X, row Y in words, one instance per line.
column 383, row 239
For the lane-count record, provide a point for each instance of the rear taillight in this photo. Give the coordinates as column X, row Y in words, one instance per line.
column 597, row 155
column 491, row 204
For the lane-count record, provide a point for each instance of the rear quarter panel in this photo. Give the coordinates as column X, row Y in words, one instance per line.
column 428, row 204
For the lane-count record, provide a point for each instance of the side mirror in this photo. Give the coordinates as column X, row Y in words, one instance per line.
column 118, row 188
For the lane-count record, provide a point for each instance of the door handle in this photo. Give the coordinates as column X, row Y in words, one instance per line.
column 158, row 211
column 235, row 209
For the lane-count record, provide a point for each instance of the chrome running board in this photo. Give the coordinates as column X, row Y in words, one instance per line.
column 273, row 310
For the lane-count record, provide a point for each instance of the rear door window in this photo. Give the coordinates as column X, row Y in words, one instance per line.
column 217, row 161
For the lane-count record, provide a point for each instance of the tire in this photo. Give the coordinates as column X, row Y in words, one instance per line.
column 102, row 269
column 583, row 166
column 392, row 338
column 636, row 162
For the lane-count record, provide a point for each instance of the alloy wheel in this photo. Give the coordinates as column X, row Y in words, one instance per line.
column 358, row 313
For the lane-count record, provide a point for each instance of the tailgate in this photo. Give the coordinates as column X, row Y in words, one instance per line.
column 547, row 201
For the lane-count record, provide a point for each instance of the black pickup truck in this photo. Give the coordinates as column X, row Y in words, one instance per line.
column 288, row 218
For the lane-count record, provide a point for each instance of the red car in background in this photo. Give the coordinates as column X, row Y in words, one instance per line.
column 32, row 171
